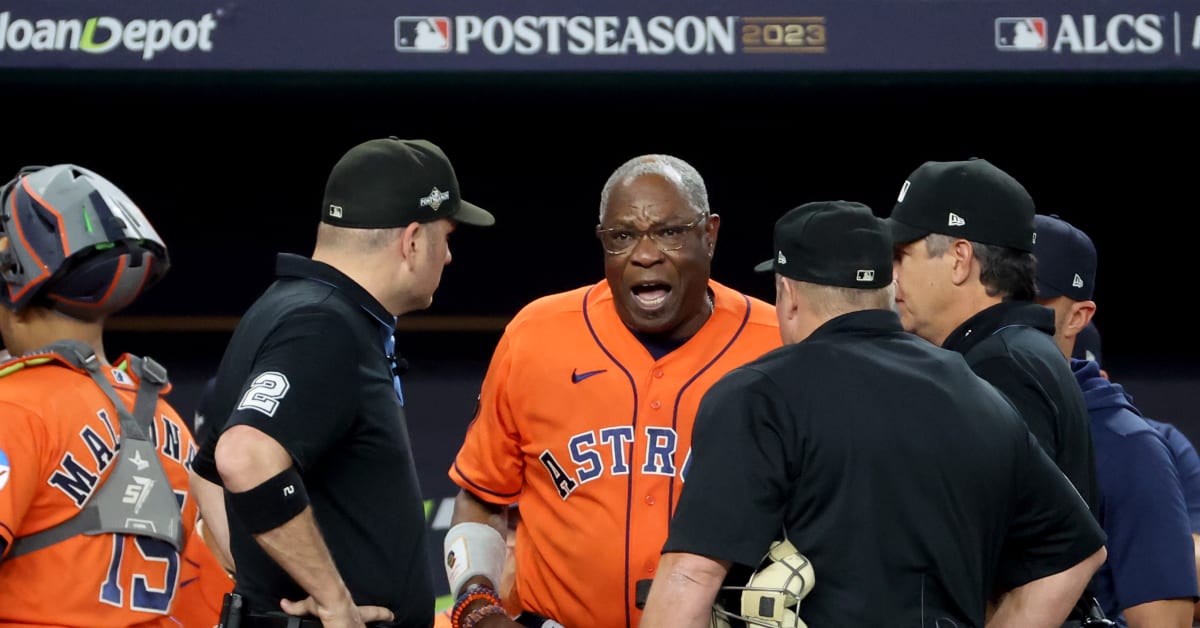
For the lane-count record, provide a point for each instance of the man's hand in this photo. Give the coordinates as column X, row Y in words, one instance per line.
column 349, row 615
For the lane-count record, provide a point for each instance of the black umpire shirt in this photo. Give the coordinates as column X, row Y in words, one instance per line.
column 890, row 465
column 308, row 366
column 1011, row 345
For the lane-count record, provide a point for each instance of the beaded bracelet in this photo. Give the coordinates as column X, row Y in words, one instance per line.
column 469, row 595
column 477, row 615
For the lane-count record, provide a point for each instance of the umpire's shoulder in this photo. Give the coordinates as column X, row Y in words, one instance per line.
column 762, row 372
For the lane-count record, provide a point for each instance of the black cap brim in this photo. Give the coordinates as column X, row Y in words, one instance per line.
column 471, row 214
column 902, row 233
column 765, row 267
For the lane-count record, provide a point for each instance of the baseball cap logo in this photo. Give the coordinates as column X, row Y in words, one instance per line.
column 781, row 259
column 956, row 220
column 903, row 192
column 435, row 199
column 1077, row 282
column 865, row 275
column 335, row 211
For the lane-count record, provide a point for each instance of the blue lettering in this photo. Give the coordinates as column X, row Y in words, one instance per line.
column 170, row 445
column 101, row 452
column 73, row 480
column 619, row 437
column 660, row 449
column 588, row 460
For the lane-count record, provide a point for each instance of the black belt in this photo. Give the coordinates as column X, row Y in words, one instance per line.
column 533, row 620
column 234, row 614
column 256, row 620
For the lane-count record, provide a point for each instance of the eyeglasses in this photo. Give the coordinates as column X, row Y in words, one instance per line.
column 620, row 240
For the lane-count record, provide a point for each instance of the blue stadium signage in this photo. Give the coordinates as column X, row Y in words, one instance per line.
column 617, row 35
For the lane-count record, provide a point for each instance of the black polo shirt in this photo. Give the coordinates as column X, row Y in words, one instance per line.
column 1011, row 345
column 308, row 365
column 889, row 464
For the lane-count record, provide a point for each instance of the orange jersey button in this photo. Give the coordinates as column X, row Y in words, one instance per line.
column 649, row 500
column 656, row 404
column 658, row 373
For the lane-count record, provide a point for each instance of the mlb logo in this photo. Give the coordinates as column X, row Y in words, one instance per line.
column 1020, row 33
column 422, row 33
column 865, row 275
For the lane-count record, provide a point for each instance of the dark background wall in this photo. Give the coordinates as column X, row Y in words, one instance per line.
column 231, row 169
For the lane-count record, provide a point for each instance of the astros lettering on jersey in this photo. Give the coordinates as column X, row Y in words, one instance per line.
column 59, row 440
column 579, row 423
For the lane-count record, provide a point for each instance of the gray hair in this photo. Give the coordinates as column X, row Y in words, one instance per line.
column 673, row 169
column 1004, row 272
column 350, row 239
column 831, row 301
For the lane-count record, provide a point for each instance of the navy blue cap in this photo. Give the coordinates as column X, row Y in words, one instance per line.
column 1066, row 260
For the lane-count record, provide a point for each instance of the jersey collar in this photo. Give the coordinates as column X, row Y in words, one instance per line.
column 994, row 318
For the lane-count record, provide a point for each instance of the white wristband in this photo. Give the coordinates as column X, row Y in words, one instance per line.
column 473, row 549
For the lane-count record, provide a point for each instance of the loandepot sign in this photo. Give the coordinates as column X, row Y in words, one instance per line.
column 98, row 35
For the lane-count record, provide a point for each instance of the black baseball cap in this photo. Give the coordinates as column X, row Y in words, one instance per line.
column 832, row 243
column 1066, row 260
column 390, row 182
column 969, row 199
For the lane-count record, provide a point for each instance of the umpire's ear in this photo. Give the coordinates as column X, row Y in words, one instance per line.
column 409, row 240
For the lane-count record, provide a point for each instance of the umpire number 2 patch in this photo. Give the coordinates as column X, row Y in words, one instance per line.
column 265, row 393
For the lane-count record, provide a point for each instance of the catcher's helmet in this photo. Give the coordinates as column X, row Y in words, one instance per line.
column 76, row 243
column 772, row 596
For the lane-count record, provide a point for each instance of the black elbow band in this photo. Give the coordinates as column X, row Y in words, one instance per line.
column 272, row 503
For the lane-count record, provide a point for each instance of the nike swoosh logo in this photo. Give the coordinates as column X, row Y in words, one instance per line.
column 579, row 377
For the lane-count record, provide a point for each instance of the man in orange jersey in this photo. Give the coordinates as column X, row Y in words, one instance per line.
column 586, row 411
column 94, row 502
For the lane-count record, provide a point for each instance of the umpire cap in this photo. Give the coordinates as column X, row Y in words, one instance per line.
column 971, row 199
column 832, row 243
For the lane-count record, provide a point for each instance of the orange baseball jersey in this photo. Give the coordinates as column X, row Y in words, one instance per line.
column 59, row 440
column 203, row 584
column 580, row 423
